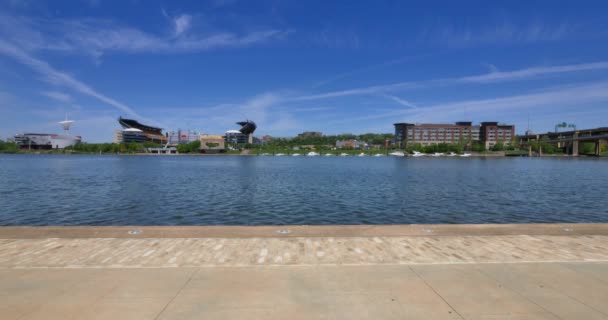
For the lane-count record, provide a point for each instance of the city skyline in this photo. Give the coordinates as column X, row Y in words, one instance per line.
column 293, row 67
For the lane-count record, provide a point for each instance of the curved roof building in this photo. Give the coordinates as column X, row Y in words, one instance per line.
column 130, row 123
column 154, row 134
column 247, row 126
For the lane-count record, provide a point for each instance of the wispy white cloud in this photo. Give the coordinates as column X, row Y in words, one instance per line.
column 500, row 33
column 497, row 76
column 60, row 78
column 59, row 96
column 182, row 23
column 400, row 101
column 265, row 109
column 550, row 100
column 97, row 36
column 367, row 69
column 534, row 72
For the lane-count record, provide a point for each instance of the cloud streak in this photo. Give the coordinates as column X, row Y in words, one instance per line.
column 98, row 36
column 492, row 77
column 60, row 78
column 504, row 33
column 564, row 97
column 400, row 101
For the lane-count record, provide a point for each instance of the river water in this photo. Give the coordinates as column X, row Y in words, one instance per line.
column 258, row 190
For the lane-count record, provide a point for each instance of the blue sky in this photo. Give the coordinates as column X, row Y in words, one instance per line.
column 293, row 66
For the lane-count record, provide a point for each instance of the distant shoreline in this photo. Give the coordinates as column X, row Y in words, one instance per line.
column 472, row 155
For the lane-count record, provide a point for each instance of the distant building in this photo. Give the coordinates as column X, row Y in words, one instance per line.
column 153, row 134
column 237, row 137
column 243, row 135
column 212, row 143
column 180, row 137
column 48, row 140
column 492, row 133
column 310, row 134
column 129, row 135
column 488, row 133
column 354, row 144
column 41, row 141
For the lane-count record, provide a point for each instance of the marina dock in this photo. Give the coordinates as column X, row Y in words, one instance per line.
column 518, row 271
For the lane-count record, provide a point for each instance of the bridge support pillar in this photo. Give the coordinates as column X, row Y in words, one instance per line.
column 575, row 144
column 575, row 148
column 530, row 151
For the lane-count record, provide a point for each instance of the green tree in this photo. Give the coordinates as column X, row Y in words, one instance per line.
column 8, row 147
column 499, row 146
column 184, row 148
column 478, row 147
column 587, row 148
column 193, row 146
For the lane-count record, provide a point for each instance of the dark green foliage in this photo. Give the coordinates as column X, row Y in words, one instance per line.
column 370, row 138
column 98, row 148
column 150, row 144
column 499, row 146
column 586, row 148
column 8, row 147
column 193, row 146
column 478, row 147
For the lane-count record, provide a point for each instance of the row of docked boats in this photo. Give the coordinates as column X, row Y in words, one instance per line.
column 440, row 154
column 394, row 154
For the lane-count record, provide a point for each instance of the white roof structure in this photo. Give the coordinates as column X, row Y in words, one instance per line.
column 132, row 130
column 233, row 131
column 66, row 124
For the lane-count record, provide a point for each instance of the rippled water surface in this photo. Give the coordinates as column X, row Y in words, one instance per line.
column 225, row 190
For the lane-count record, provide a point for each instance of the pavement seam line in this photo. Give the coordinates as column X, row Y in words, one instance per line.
column 569, row 264
column 574, row 298
column 516, row 292
column 437, row 293
column 177, row 294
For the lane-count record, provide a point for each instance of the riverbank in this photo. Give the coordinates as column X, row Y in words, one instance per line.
column 497, row 154
column 549, row 271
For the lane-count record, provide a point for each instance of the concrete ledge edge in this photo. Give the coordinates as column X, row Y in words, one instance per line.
column 297, row 231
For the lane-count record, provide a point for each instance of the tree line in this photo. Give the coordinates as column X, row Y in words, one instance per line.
column 370, row 138
column 8, row 147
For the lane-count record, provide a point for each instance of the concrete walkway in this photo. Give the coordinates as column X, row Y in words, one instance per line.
column 419, row 274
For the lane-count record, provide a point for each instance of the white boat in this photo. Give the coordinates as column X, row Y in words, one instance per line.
column 343, row 154
column 397, row 154
column 465, row 155
column 296, row 155
column 378, row 155
column 312, row 154
column 279, row 154
column 417, row 154
column 437, row 154
column 328, row 154
column 265, row 154
column 361, row 154
column 451, row 154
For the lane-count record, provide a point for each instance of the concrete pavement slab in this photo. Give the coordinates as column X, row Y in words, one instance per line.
column 554, row 301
